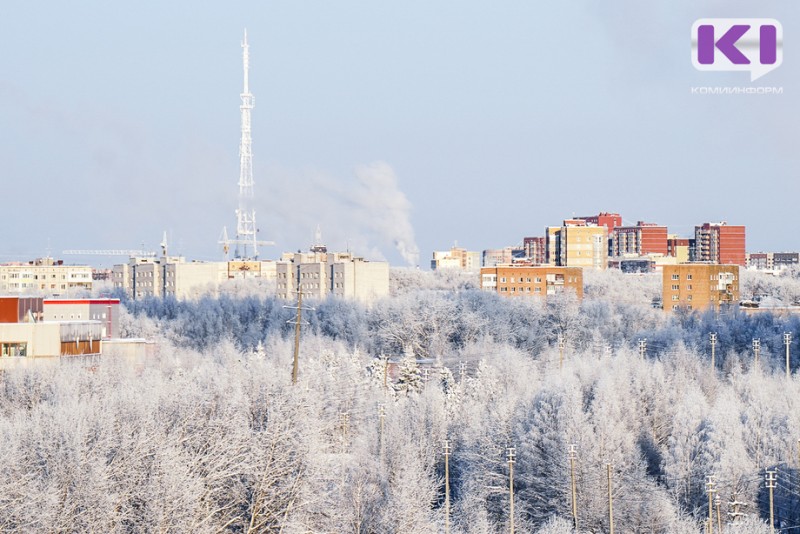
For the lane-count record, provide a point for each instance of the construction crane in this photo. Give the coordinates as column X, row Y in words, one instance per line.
column 108, row 252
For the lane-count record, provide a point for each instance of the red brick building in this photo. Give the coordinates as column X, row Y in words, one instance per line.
column 644, row 238
column 720, row 243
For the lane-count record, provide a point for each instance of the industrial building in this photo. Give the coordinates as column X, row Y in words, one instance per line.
column 44, row 276
column 699, row 286
column 539, row 281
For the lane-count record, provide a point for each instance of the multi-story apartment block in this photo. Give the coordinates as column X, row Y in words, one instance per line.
column 539, row 281
column 719, row 243
column 699, row 286
column 679, row 247
column 609, row 220
column 535, row 249
column 639, row 240
column 320, row 274
column 44, row 276
column 767, row 261
column 577, row 244
column 456, row 258
column 497, row 256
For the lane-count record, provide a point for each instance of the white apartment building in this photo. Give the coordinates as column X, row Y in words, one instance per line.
column 341, row 274
column 173, row 276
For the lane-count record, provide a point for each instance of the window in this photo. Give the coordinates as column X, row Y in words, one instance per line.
column 689, row 297
column 676, row 277
column 675, row 287
column 689, row 287
column 688, row 276
column 674, row 297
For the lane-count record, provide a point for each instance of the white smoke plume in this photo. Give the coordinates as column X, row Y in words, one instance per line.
column 366, row 213
column 386, row 208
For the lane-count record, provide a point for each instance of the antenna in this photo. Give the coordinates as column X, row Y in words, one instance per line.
column 246, row 240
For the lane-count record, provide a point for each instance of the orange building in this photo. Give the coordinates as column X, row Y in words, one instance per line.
column 699, row 286
column 541, row 281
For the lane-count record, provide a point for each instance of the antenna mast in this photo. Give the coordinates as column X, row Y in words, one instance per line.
column 245, row 215
column 246, row 240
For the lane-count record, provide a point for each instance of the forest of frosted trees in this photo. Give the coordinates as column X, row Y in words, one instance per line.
column 210, row 435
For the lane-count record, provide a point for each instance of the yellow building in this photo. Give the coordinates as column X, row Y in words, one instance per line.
column 577, row 244
column 44, row 276
column 699, row 286
column 542, row 281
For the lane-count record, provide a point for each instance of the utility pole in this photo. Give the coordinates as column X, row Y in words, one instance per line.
column 607, row 351
column 717, row 503
column 561, row 344
column 381, row 417
column 736, row 504
column 711, row 491
column 344, row 417
column 642, row 348
column 446, row 486
column 511, row 453
column 298, row 320
column 713, row 337
column 462, row 371
column 787, row 340
column 610, row 502
column 573, row 455
column 756, row 350
column 385, row 372
column 770, row 480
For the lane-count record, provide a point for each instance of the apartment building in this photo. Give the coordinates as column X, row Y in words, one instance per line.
column 44, row 276
column 699, row 286
column 524, row 280
column 719, row 243
column 535, row 249
column 456, row 258
column 640, row 240
column 768, row 261
column 319, row 274
column 576, row 243
column 679, row 247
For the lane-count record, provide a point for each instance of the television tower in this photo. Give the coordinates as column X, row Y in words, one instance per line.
column 246, row 240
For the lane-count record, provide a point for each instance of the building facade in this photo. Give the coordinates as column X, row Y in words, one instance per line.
column 103, row 310
column 539, row 281
column 456, row 258
column 640, row 240
column 582, row 245
column 44, row 276
column 173, row 276
column 320, row 274
column 719, row 243
column 699, row 286
column 535, row 249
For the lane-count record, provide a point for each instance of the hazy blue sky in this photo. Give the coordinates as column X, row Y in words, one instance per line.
column 482, row 121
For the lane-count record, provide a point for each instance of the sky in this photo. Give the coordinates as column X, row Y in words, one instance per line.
column 399, row 128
